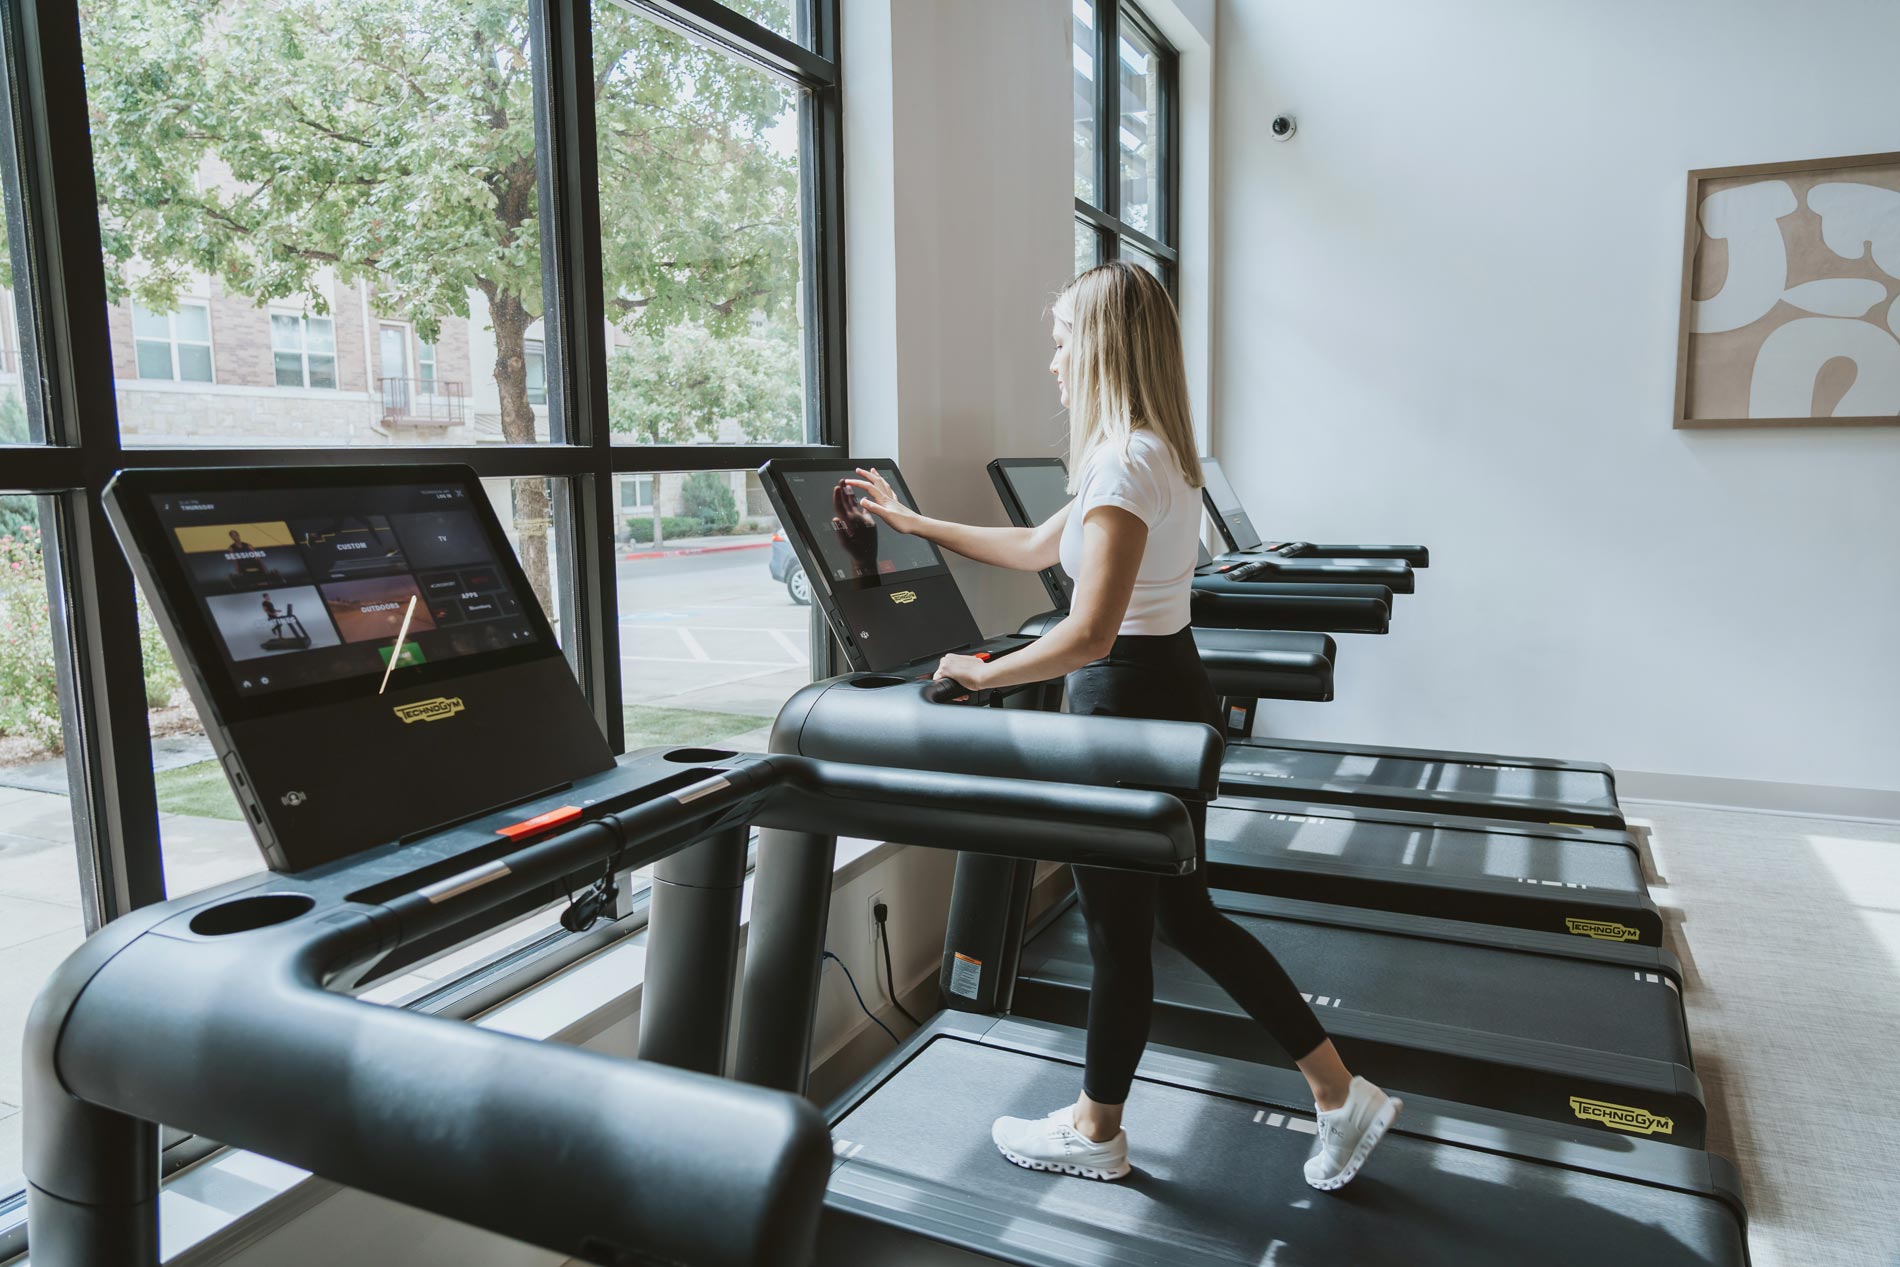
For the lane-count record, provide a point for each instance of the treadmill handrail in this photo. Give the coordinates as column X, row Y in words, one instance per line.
column 898, row 724
column 1124, row 828
column 239, row 1041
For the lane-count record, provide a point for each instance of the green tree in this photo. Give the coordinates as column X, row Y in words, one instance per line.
column 679, row 385
column 392, row 141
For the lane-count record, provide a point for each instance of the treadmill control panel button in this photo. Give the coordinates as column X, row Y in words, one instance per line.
column 540, row 823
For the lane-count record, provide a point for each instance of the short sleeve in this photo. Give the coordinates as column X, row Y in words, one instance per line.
column 1126, row 480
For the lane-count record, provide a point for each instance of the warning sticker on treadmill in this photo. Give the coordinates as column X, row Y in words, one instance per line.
column 966, row 975
column 1602, row 929
column 1622, row 1117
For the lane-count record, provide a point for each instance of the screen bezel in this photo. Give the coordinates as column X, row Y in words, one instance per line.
column 133, row 492
column 775, row 471
column 1212, row 467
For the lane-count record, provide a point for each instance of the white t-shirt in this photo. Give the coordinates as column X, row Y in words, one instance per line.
column 1146, row 482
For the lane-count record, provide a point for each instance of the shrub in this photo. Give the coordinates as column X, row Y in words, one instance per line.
column 641, row 527
column 162, row 679
column 707, row 496
column 29, row 684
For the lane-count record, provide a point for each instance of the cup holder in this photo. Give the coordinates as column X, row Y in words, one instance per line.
column 249, row 913
column 699, row 756
column 874, row 681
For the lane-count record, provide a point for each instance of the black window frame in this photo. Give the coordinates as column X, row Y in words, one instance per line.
column 1103, row 217
column 68, row 381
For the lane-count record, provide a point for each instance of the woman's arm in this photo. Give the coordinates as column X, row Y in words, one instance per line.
column 1113, row 540
column 1024, row 549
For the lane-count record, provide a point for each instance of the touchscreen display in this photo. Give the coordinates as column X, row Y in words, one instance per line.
column 304, row 586
column 1227, row 505
column 852, row 541
column 1043, row 490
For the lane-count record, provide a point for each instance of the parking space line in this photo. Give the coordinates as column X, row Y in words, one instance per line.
column 692, row 644
column 792, row 649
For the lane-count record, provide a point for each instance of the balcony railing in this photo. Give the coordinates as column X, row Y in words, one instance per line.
column 415, row 402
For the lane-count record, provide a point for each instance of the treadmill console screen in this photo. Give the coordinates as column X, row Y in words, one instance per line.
column 854, row 543
column 301, row 587
column 1235, row 525
column 1042, row 490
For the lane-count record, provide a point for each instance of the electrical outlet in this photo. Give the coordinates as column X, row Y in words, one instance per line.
column 870, row 918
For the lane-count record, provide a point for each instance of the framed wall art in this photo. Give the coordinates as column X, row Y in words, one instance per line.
column 1790, row 273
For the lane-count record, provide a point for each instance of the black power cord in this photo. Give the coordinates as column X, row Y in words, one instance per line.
column 882, row 912
column 854, row 990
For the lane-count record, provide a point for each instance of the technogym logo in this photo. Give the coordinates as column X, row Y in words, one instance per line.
column 1621, row 1117
column 900, row 597
column 1602, row 929
column 441, row 708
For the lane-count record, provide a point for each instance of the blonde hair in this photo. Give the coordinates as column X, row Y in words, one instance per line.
column 1126, row 369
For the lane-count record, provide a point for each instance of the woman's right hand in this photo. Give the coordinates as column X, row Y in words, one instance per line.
column 881, row 500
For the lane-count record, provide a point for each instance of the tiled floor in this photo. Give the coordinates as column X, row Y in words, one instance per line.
column 1789, row 932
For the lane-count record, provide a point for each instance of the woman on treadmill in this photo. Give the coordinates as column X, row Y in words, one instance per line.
column 1127, row 540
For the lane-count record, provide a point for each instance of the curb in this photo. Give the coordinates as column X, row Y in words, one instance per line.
column 692, row 550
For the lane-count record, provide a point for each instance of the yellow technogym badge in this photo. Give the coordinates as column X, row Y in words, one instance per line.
column 900, row 597
column 441, row 708
column 1621, row 1117
column 1602, row 929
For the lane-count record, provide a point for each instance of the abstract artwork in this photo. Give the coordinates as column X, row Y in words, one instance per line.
column 1789, row 278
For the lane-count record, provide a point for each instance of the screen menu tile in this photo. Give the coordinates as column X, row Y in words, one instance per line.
column 306, row 586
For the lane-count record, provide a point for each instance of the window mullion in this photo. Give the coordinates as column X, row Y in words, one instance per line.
column 568, row 187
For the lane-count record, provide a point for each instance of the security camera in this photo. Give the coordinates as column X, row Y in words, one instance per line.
column 1283, row 127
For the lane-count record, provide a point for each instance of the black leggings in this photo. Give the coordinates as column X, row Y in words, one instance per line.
column 1161, row 677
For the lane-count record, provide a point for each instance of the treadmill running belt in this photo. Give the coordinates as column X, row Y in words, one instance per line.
column 1578, row 1002
column 1217, row 1180
column 1254, row 829
column 1574, row 787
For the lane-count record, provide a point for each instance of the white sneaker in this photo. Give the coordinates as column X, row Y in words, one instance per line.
column 1052, row 1143
column 1349, row 1133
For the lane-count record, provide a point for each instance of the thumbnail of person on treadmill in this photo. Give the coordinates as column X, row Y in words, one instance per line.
column 286, row 631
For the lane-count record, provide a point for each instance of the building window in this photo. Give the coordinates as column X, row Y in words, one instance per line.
column 303, row 350
column 535, row 353
column 174, row 345
column 425, row 366
column 1125, row 78
column 636, row 492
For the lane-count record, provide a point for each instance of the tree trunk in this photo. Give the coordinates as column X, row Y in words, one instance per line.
column 659, row 517
column 533, row 516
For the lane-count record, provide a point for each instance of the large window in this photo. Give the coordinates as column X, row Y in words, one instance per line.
column 356, row 227
column 700, row 240
column 1124, row 76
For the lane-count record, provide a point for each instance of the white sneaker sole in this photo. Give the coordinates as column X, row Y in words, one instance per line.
column 1057, row 1168
column 1367, row 1142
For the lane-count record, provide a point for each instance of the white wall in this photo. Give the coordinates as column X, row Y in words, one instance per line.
column 1448, row 314
column 958, row 214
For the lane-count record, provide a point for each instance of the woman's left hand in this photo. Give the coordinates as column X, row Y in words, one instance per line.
column 965, row 670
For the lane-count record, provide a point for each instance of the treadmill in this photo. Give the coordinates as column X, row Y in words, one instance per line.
column 1558, row 1016
column 1244, row 543
column 1329, row 840
column 915, row 1178
column 1243, row 662
column 377, row 756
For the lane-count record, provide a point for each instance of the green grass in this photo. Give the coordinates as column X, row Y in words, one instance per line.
column 198, row 790
column 649, row 727
column 201, row 790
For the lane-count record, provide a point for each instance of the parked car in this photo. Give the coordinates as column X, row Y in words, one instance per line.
column 785, row 566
